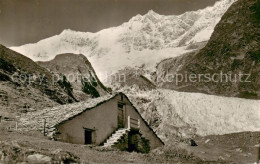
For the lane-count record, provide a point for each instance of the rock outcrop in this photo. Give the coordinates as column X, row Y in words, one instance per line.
column 229, row 64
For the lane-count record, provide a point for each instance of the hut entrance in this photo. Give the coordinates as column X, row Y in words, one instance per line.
column 88, row 137
column 137, row 143
column 120, row 117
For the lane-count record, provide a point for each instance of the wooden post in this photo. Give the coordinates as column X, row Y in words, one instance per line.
column 16, row 125
column 44, row 124
column 138, row 123
column 258, row 155
column 128, row 120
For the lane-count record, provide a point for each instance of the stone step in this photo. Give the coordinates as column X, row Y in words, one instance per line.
column 115, row 137
column 109, row 144
column 119, row 132
column 113, row 140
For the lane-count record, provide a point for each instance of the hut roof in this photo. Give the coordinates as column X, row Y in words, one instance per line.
column 54, row 115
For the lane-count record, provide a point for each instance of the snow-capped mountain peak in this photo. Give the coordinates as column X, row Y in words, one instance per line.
column 151, row 36
column 152, row 15
column 151, row 12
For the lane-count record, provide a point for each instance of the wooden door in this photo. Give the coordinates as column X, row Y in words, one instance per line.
column 88, row 137
column 120, row 116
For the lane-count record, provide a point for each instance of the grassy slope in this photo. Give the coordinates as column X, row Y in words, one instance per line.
column 237, row 148
column 31, row 143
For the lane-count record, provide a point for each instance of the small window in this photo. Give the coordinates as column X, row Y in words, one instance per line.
column 120, row 106
column 122, row 97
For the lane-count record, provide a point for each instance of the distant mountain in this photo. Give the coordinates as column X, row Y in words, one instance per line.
column 144, row 40
column 24, row 85
column 234, row 48
column 79, row 72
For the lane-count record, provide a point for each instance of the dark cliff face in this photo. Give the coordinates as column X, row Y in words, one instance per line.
column 25, row 84
column 79, row 72
column 233, row 49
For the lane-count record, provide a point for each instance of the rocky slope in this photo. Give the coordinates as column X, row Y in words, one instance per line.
column 133, row 78
column 234, row 48
column 79, row 72
column 143, row 41
column 24, row 85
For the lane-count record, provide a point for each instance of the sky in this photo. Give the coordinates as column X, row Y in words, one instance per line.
column 28, row 21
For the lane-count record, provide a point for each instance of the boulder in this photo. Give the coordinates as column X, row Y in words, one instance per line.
column 38, row 159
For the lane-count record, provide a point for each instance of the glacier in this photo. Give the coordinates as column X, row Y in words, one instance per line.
column 185, row 114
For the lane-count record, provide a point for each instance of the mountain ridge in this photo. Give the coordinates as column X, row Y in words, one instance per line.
column 25, row 85
column 150, row 36
column 78, row 71
column 233, row 49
